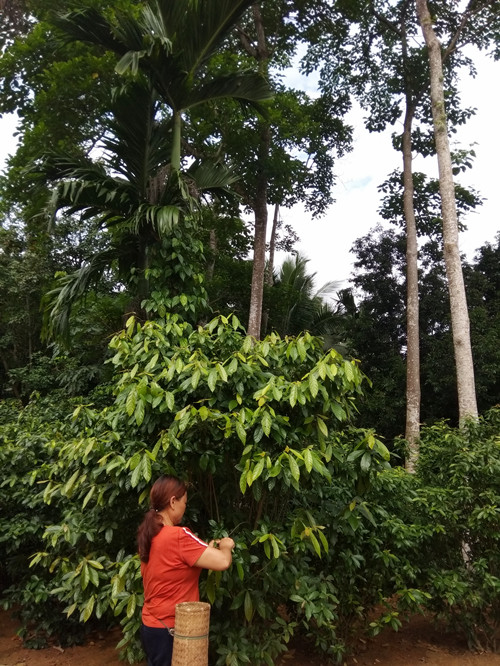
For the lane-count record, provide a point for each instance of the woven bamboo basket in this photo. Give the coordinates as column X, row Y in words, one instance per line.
column 192, row 621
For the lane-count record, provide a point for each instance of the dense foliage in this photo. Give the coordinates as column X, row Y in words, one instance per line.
column 114, row 368
column 325, row 531
column 257, row 428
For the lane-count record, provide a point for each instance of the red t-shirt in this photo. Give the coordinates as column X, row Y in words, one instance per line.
column 170, row 577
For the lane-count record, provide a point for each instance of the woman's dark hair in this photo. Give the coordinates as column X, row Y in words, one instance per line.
column 162, row 491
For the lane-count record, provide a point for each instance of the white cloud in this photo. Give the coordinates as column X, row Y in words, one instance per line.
column 8, row 125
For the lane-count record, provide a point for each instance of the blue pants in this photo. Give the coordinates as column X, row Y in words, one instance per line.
column 157, row 644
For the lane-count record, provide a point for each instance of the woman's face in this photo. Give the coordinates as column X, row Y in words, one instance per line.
column 178, row 507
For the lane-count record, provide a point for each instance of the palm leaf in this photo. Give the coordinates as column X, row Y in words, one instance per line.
column 89, row 25
column 247, row 86
column 205, row 23
column 58, row 302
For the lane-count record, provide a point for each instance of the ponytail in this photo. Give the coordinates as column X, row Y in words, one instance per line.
column 161, row 493
column 148, row 529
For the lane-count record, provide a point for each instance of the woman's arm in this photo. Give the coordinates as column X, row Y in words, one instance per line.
column 218, row 556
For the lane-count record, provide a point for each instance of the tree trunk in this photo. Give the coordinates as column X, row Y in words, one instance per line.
column 467, row 405
column 212, row 244
column 412, row 433
column 260, row 202
column 269, row 277
column 259, row 252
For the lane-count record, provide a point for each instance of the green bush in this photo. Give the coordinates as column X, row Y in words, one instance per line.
column 259, row 429
column 460, row 475
column 440, row 530
column 330, row 541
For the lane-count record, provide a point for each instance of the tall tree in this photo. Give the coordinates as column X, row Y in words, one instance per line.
column 170, row 45
column 388, row 64
column 458, row 300
column 288, row 155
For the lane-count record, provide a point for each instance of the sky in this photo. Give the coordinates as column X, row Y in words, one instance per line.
column 327, row 241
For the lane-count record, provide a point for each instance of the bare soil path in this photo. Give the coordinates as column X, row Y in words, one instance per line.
column 416, row 644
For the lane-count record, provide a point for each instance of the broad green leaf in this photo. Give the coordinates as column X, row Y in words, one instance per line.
column 301, row 349
column 94, row 576
column 146, row 468
column 212, row 379
column 247, row 345
column 241, row 432
column 308, row 459
column 152, row 363
column 87, row 611
column 170, row 400
column 68, row 487
column 84, row 577
column 195, row 378
column 131, row 605
column 266, row 423
column 349, row 372
column 315, row 543
column 276, row 550
column 248, row 607
column 294, row 468
column 136, row 475
column 322, row 427
column 323, row 540
column 313, row 385
column 139, row 412
column 222, row 372
column 69, row 610
column 131, row 401
column 338, row 411
column 88, row 496
column 257, row 470
column 366, row 461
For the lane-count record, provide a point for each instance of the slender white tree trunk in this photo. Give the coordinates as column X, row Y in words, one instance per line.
column 467, row 405
column 412, row 433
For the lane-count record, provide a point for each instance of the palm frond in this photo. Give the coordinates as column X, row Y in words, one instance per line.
column 138, row 145
column 58, row 302
column 328, row 289
column 205, row 24
column 89, row 25
column 212, row 176
column 161, row 219
column 246, row 86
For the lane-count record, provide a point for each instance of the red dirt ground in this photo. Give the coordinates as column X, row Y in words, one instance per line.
column 417, row 643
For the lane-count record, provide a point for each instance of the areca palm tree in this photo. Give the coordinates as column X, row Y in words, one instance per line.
column 137, row 190
column 132, row 193
column 171, row 43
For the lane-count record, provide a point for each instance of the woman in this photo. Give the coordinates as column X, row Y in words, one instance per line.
column 172, row 558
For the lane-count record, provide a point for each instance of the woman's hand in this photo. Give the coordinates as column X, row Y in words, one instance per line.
column 226, row 542
column 218, row 556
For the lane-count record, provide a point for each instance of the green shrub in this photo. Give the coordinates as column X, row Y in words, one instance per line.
column 259, row 429
column 460, row 476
